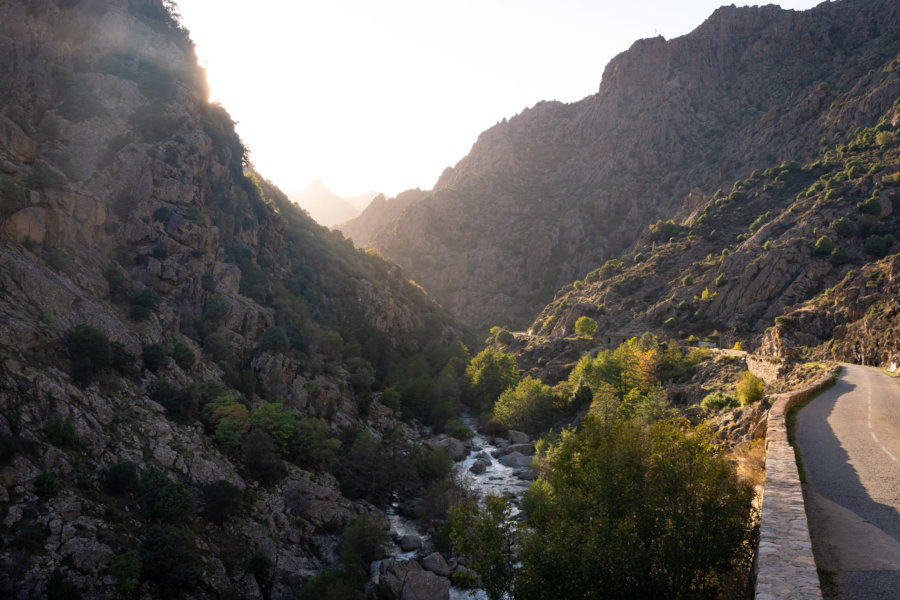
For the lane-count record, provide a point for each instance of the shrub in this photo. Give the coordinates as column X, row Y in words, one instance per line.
column 259, row 565
column 663, row 231
column 143, row 303
column 717, row 401
column 154, row 357
column 275, row 340
column 721, row 280
column 823, row 246
column 169, row 559
column 839, row 256
column 670, row 323
column 875, row 245
column 870, row 207
column 688, row 280
column 164, row 499
column 183, row 355
column 60, row 588
column 462, row 433
column 504, row 337
column 125, row 569
column 586, row 327
column 768, row 245
column 90, row 352
column 363, row 541
column 749, row 389
column 221, row 499
column 261, row 457
column 46, row 484
column 843, row 226
column 61, row 432
column 121, row 478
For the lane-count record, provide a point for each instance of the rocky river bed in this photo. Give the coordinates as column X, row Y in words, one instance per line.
column 498, row 466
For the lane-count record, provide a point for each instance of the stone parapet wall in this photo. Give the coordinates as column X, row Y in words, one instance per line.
column 786, row 568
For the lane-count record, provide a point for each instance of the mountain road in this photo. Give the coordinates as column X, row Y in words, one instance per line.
column 849, row 442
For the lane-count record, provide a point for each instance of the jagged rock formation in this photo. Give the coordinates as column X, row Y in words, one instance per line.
column 125, row 207
column 378, row 215
column 553, row 192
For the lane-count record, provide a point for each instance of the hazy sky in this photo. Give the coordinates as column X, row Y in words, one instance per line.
column 385, row 94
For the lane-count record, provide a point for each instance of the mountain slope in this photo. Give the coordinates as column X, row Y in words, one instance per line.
column 186, row 359
column 323, row 205
column 553, row 192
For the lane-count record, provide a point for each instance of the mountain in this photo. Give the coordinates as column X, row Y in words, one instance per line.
column 361, row 201
column 378, row 215
column 190, row 367
column 549, row 195
column 323, row 205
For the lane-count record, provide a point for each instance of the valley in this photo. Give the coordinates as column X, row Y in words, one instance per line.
column 550, row 376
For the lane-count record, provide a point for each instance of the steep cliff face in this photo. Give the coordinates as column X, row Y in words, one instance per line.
column 145, row 273
column 550, row 194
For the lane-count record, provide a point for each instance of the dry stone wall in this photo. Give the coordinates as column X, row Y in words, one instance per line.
column 785, row 564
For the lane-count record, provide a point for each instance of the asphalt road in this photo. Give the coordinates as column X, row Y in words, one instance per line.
column 849, row 441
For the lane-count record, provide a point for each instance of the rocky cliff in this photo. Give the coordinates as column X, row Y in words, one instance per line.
column 165, row 312
column 553, row 192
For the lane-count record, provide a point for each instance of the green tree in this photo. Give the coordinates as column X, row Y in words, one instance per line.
column 277, row 420
column 169, row 559
column 528, row 406
column 363, row 541
column 183, row 355
column 667, row 516
column 823, row 246
column 90, row 352
column 749, row 389
column 489, row 373
column 485, row 538
column 165, row 499
column 586, row 327
column 154, row 357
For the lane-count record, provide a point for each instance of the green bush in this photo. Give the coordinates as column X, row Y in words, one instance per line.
column 46, row 484
column 721, row 280
column 164, row 499
column 717, row 401
column 586, row 327
column 870, row 207
column 90, row 352
column 169, row 559
column 154, row 357
column 527, row 407
column 125, row 569
column 60, row 588
column 823, row 246
column 839, row 256
column 749, row 389
column 363, row 541
column 688, row 280
column 61, row 432
column 183, row 355
column 275, row 340
column 670, row 323
column 221, row 499
column 843, row 226
column 121, row 478
column 261, row 457
column 875, row 245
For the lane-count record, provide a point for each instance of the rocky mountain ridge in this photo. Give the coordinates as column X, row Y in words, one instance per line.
column 555, row 191
column 165, row 312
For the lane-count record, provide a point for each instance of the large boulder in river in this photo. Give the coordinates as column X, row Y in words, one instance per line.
column 457, row 449
column 526, row 449
column 435, row 563
column 480, row 466
column 408, row 543
column 516, row 459
column 406, row 580
column 517, row 437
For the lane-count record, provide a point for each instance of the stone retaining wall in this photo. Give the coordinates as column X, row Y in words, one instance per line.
column 785, row 565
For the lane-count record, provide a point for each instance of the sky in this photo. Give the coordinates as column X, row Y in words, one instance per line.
column 384, row 95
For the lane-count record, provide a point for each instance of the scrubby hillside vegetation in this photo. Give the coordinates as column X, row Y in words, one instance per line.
column 193, row 374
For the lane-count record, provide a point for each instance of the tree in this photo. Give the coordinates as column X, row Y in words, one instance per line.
column 489, row 373
column 528, row 406
column 485, row 539
column 635, row 512
column 90, row 352
column 586, row 327
column 169, row 559
column 154, row 357
column 183, row 355
column 823, row 246
column 750, row 388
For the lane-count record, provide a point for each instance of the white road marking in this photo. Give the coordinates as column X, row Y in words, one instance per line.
column 869, row 418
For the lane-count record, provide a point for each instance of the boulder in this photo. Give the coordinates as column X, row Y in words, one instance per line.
column 435, row 563
column 517, row 437
column 406, row 580
column 28, row 224
column 408, row 543
column 457, row 449
column 526, row 449
column 516, row 459
column 479, row 466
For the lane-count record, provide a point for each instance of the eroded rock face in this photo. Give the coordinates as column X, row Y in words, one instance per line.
column 406, row 580
column 547, row 196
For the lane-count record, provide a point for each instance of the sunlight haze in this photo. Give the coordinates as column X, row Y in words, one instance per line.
column 386, row 95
